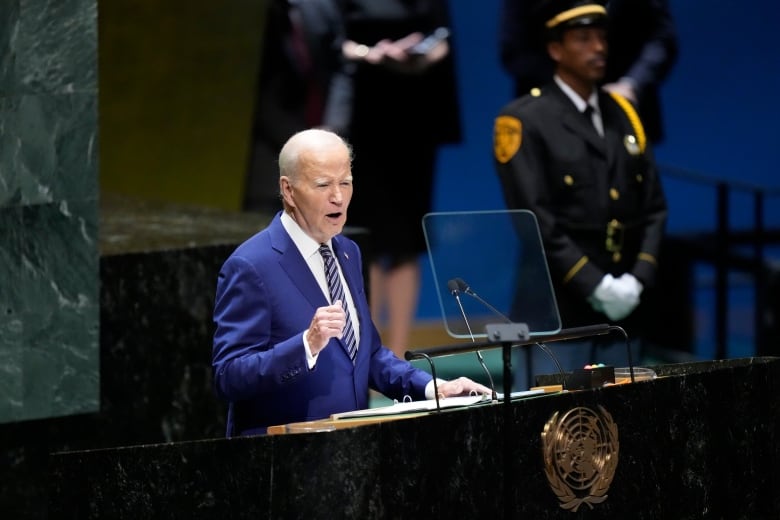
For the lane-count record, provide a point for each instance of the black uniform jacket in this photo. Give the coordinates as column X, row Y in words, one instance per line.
column 598, row 200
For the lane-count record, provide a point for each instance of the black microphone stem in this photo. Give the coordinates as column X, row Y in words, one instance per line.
column 465, row 320
column 463, row 286
column 557, row 364
column 493, row 396
column 628, row 349
column 487, row 304
column 422, row 355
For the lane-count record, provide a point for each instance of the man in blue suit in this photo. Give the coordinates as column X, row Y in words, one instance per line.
column 281, row 347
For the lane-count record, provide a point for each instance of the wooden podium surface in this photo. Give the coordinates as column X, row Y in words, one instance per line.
column 326, row 425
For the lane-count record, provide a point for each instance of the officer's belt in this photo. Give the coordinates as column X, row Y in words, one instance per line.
column 600, row 228
column 614, row 233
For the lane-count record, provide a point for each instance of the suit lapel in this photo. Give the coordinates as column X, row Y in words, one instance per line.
column 294, row 265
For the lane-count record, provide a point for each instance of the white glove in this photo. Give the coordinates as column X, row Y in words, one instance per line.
column 601, row 293
column 616, row 297
column 628, row 287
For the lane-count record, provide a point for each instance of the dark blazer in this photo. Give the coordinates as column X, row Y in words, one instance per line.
column 551, row 161
column 266, row 297
column 642, row 42
column 643, row 47
column 420, row 107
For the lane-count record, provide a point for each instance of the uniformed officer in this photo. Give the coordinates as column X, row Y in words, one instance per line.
column 578, row 158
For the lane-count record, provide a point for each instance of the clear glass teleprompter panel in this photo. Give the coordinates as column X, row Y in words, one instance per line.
column 499, row 256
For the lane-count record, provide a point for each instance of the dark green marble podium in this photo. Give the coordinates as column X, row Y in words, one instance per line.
column 700, row 441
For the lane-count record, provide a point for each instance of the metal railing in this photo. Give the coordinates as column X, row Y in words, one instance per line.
column 718, row 248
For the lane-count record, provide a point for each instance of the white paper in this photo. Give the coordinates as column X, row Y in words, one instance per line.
column 413, row 406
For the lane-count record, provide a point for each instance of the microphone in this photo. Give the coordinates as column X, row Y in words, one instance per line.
column 455, row 289
column 461, row 285
column 464, row 287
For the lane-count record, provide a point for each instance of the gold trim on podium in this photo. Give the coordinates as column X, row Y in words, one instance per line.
column 329, row 425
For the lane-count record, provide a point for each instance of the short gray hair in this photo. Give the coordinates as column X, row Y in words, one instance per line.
column 303, row 141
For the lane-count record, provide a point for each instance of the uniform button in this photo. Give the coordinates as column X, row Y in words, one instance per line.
column 536, row 92
column 639, row 177
column 568, row 180
column 616, row 256
column 613, row 194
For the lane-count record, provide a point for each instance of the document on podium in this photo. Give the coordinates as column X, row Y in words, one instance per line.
column 521, row 393
column 414, row 407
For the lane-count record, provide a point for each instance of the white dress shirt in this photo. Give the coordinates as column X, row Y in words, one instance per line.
column 310, row 250
column 581, row 104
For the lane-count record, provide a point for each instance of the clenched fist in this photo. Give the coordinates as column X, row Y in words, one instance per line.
column 328, row 322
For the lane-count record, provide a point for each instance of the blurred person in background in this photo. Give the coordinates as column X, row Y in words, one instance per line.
column 405, row 107
column 303, row 82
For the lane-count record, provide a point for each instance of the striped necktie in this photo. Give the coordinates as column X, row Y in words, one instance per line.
column 337, row 293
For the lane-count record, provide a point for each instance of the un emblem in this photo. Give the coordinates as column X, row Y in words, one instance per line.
column 580, row 451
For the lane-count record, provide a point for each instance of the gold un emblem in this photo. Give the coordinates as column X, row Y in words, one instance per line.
column 580, row 456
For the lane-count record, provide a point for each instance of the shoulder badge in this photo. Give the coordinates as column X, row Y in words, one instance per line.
column 636, row 124
column 507, row 137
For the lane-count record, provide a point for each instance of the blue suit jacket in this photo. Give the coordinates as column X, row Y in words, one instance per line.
column 266, row 297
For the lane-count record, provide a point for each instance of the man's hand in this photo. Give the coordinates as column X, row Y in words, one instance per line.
column 328, row 322
column 395, row 54
column 461, row 386
column 624, row 87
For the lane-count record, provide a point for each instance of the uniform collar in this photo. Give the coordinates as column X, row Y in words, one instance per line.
column 581, row 104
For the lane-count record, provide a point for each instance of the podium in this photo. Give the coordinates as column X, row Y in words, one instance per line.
column 700, row 441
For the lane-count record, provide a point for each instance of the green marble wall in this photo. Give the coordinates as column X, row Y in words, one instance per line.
column 49, row 364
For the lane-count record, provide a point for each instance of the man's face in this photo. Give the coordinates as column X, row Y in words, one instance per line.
column 320, row 193
column 581, row 54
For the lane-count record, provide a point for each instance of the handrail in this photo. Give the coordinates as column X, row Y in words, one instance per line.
column 702, row 178
column 725, row 237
